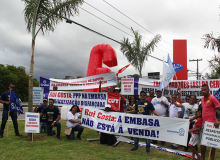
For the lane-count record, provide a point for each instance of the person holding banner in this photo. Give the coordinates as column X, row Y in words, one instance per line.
column 122, row 99
column 5, row 99
column 72, row 123
column 190, row 111
column 143, row 107
column 52, row 117
column 160, row 104
column 209, row 106
column 151, row 96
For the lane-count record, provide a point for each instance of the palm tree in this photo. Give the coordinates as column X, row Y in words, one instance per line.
column 43, row 15
column 137, row 52
column 212, row 41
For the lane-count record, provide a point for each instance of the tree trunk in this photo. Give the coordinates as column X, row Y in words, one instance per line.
column 30, row 86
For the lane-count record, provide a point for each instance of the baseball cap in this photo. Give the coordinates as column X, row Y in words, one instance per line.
column 107, row 106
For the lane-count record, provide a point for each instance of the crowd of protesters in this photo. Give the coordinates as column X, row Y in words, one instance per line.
column 197, row 111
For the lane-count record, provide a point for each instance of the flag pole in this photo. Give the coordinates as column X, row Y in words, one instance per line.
column 168, row 87
column 177, row 81
column 108, row 76
column 210, row 153
column 7, row 124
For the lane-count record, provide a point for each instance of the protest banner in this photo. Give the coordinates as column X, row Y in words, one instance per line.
column 127, row 86
column 32, row 122
column 172, row 130
column 38, row 95
column 211, row 135
column 83, row 99
column 109, row 79
column 188, row 87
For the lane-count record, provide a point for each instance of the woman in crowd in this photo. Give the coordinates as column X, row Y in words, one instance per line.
column 72, row 122
column 190, row 111
column 131, row 103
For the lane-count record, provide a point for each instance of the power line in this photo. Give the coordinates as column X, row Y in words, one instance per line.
column 106, row 22
column 137, row 23
column 120, row 23
column 113, row 25
column 132, row 20
column 71, row 21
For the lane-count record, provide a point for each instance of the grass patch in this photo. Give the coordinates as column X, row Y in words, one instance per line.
column 45, row 147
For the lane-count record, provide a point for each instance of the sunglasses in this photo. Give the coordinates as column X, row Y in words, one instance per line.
column 143, row 95
column 187, row 99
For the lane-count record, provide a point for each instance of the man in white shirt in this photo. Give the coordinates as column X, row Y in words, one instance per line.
column 160, row 104
column 174, row 112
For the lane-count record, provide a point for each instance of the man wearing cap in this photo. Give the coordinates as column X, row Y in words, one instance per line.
column 107, row 138
column 52, row 118
column 143, row 107
column 160, row 104
column 122, row 99
column 43, row 118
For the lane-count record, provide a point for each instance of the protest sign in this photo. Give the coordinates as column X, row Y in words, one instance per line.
column 188, row 87
column 82, row 99
column 172, row 130
column 16, row 104
column 32, row 122
column 109, row 79
column 211, row 135
column 127, row 86
column 38, row 95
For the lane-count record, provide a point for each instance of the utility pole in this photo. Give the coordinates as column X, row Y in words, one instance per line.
column 197, row 66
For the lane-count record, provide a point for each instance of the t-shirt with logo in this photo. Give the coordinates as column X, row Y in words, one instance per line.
column 144, row 107
column 5, row 96
column 51, row 114
column 190, row 110
column 173, row 110
column 160, row 108
column 209, row 106
column 197, row 124
column 39, row 110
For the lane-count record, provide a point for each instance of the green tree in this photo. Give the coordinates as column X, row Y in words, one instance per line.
column 44, row 15
column 214, row 64
column 137, row 52
column 136, row 76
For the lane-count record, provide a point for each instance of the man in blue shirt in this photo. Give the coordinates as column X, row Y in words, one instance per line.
column 143, row 107
column 43, row 118
column 52, row 118
column 5, row 99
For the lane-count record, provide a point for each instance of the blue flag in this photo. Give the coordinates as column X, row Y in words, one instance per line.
column 217, row 94
column 16, row 105
column 177, row 67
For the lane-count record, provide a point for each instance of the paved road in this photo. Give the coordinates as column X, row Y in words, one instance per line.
column 20, row 117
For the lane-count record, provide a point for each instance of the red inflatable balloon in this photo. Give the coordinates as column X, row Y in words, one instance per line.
column 101, row 53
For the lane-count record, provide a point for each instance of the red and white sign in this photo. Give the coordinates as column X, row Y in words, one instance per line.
column 127, row 86
column 32, row 122
column 83, row 99
column 114, row 100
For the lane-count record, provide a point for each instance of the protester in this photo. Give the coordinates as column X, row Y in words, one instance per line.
column 190, row 111
column 100, row 87
column 5, row 97
column 52, row 118
column 110, row 89
column 131, row 103
column 209, row 106
column 39, row 109
column 137, row 98
column 72, row 122
column 195, row 134
column 174, row 112
column 107, row 138
column 151, row 96
column 122, row 99
column 160, row 104
column 143, row 107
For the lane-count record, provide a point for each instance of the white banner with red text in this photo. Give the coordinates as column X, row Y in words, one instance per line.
column 83, row 99
column 109, row 79
column 188, row 87
column 172, row 130
column 211, row 135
